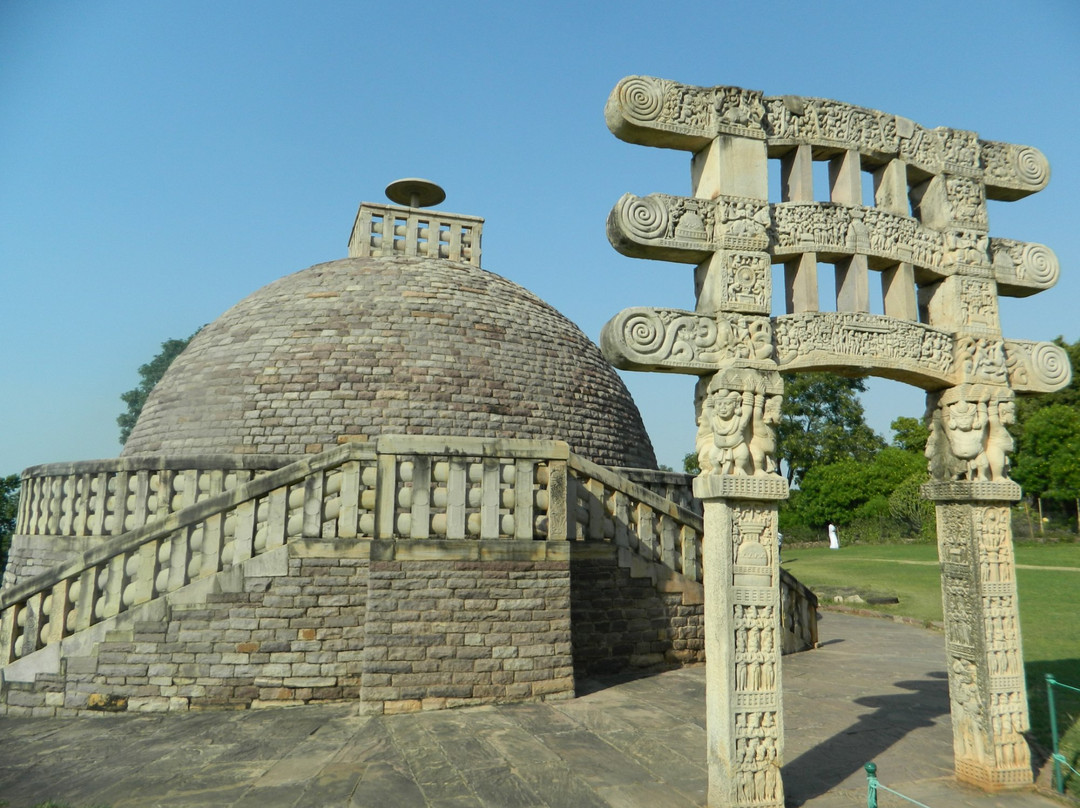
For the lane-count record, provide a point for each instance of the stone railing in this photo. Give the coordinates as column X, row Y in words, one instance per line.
column 798, row 614
column 387, row 230
column 605, row 506
column 467, row 488
column 319, row 496
column 405, row 488
column 112, row 497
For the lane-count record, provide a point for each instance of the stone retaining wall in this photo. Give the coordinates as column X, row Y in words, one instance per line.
column 465, row 631
column 622, row 620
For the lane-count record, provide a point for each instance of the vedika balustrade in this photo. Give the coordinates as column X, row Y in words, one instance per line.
column 185, row 525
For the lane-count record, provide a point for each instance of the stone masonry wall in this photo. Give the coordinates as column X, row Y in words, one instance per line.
column 421, row 625
column 284, row 639
column 287, row 640
column 470, row 630
column 621, row 621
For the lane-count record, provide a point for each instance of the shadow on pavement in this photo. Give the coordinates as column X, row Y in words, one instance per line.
column 827, row 765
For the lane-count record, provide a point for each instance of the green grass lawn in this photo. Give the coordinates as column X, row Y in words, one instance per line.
column 1049, row 610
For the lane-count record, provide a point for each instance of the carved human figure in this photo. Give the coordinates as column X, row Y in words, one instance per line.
column 763, row 443
column 858, row 236
column 999, row 442
column 723, row 446
column 965, row 424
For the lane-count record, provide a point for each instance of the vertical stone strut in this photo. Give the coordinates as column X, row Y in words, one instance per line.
column 738, row 406
column 926, row 235
column 739, row 488
column 968, row 453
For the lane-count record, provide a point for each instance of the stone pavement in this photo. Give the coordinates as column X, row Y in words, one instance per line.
column 874, row 690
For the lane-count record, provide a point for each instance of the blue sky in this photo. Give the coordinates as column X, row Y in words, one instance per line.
column 160, row 161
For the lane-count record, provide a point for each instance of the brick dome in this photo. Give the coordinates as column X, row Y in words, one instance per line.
column 389, row 345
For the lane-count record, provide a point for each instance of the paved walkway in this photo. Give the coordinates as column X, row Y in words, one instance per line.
column 875, row 690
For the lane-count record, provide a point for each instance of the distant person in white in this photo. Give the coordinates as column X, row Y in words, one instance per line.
column 834, row 540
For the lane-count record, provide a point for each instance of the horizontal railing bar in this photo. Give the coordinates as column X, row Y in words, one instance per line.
column 509, row 448
column 118, row 465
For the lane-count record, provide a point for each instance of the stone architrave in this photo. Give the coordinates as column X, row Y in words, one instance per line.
column 925, row 237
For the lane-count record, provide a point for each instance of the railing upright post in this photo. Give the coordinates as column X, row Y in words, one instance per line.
column 1059, row 780
column 8, row 631
column 871, row 785
column 560, row 506
column 386, row 496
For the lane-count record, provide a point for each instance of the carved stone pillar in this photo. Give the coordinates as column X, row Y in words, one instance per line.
column 982, row 632
column 968, row 450
column 741, row 493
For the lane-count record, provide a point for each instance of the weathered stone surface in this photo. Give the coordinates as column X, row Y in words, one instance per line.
column 926, row 234
column 369, row 346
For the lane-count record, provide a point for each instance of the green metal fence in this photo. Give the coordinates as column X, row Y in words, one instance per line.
column 1059, row 759
column 873, row 786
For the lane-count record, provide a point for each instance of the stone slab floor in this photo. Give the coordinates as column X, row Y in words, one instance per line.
column 875, row 690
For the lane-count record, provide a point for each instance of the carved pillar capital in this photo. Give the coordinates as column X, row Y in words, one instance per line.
column 737, row 412
column 969, row 440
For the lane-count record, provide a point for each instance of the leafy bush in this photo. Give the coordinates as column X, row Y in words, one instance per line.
column 850, row 491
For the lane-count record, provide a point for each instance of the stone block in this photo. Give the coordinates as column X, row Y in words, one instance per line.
column 54, row 698
column 148, row 704
column 309, row 681
column 25, row 698
column 547, row 687
column 106, row 703
column 402, row 706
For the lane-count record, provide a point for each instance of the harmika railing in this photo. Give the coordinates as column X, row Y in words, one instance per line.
column 408, row 488
column 1055, row 739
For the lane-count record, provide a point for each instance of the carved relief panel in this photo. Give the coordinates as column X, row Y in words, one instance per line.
column 969, row 437
column 737, row 415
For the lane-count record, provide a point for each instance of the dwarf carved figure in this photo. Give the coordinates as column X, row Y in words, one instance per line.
column 969, row 439
column 965, row 425
column 736, row 429
column 723, row 439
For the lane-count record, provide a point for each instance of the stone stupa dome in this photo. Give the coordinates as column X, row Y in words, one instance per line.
column 391, row 341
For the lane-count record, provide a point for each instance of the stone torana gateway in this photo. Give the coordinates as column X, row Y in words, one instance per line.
column 924, row 236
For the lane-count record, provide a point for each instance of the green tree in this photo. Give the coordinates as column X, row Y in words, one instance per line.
column 913, row 514
column 822, row 422
column 849, row 490
column 1047, row 464
column 690, row 463
column 149, row 375
column 9, row 510
column 909, row 434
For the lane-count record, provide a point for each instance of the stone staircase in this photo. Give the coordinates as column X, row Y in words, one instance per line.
column 426, row 573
